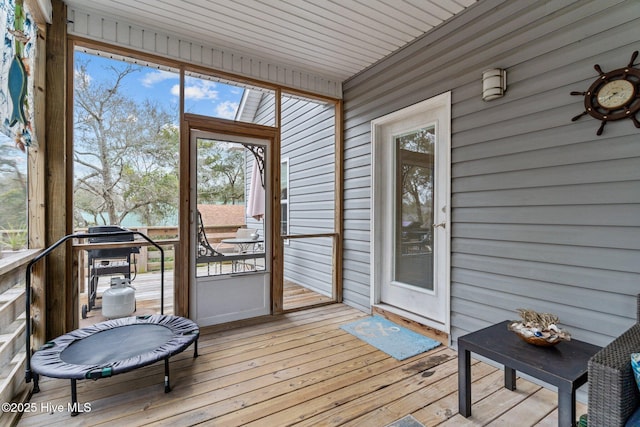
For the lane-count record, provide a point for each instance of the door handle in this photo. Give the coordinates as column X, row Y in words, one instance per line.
column 442, row 224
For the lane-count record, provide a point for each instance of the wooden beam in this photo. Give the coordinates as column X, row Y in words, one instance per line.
column 36, row 190
column 339, row 203
column 277, row 248
column 213, row 124
column 182, row 278
column 57, row 214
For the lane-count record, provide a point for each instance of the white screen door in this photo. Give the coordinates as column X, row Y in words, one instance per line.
column 410, row 233
column 231, row 277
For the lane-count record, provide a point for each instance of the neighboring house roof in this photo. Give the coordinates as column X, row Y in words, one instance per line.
column 222, row 215
column 248, row 105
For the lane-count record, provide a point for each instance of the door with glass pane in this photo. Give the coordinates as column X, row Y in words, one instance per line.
column 410, row 260
column 231, row 275
column 413, row 218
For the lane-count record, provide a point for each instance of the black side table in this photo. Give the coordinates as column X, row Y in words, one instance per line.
column 563, row 365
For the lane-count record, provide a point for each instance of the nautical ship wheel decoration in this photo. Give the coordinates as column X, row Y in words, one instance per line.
column 613, row 96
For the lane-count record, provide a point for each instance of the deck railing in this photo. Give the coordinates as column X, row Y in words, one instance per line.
column 13, row 388
column 148, row 259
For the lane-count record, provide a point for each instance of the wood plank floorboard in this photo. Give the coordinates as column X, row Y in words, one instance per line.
column 298, row 369
column 296, row 296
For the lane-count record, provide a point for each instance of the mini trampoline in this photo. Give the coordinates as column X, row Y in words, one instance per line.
column 111, row 347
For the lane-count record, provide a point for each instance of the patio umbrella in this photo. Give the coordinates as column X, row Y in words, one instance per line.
column 255, row 205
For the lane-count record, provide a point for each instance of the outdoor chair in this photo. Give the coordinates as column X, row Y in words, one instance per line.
column 205, row 253
column 613, row 393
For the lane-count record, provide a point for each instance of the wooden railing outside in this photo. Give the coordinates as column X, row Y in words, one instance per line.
column 148, row 259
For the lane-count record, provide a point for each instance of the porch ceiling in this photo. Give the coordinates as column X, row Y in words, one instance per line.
column 334, row 38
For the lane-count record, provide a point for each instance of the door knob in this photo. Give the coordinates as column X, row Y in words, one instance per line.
column 443, row 224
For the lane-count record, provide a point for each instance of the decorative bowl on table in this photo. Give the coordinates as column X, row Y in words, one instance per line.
column 538, row 328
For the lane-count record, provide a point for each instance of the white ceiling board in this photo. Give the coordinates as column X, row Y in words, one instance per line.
column 333, row 38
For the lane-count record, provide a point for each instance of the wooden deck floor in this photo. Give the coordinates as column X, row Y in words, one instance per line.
column 297, row 369
column 296, row 297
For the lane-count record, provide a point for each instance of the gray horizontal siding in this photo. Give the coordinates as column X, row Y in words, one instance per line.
column 308, row 141
column 545, row 214
column 265, row 114
column 596, row 236
column 308, row 263
column 611, row 215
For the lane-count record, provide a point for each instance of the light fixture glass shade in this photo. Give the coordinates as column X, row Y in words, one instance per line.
column 494, row 84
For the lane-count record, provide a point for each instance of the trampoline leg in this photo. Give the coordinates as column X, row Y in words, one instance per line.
column 195, row 349
column 36, row 386
column 74, row 398
column 167, row 387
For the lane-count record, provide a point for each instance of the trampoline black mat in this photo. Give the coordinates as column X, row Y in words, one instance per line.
column 114, row 346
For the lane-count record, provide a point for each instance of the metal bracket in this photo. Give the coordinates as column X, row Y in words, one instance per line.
column 258, row 154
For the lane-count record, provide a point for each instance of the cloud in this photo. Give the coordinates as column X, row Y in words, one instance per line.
column 153, row 77
column 227, row 110
column 197, row 90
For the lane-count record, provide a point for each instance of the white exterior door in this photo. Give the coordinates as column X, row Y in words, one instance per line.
column 410, row 210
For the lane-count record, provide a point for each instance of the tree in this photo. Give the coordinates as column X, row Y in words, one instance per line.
column 416, row 153
column 125, row 151
column 220, row 173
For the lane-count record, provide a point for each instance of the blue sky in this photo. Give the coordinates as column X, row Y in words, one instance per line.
column 205, row 97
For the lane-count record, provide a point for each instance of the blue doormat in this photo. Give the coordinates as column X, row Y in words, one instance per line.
column 398, row 342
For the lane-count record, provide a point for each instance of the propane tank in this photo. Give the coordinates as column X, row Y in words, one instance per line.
column 119, row 300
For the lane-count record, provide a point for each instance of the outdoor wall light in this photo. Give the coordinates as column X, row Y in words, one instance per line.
column 494, row 83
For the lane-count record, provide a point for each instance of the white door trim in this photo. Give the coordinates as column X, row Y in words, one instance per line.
column 378, row 253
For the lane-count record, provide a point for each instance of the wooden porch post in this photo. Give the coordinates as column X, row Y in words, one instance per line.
column 60, row 303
